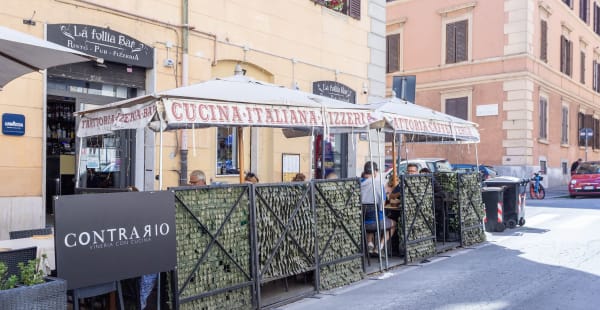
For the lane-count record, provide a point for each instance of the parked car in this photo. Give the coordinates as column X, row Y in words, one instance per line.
column 434, row 164
column 586, row 179
column 486, row 171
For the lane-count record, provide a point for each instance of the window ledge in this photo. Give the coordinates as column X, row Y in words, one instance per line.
column 564, row 145
column 543, row 141
column 448, row 10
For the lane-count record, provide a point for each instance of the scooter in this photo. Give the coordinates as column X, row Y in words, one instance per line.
column 536, row 189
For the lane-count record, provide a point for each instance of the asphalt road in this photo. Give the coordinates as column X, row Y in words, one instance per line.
column 553, row 262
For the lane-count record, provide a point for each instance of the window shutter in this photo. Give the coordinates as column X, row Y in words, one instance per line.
column 543, row 117
column 569, row 64
column 562, row 54
column 596, row 129
column 393, row 52
column 458, row 107
column 462, row 53
column 564, row 139
column 595, row 18
column 450, row 44
column 594, row 76
column 354, row 8
column 583, row 10
column 544, row 43
column 582, row 68
column 597, row 68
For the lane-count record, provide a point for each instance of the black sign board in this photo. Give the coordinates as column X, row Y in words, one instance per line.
column 335, row 90
column 102, row 42
column 101, row 238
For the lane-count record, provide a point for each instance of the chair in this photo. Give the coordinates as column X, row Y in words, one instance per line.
column 19, row 234
column 12, row 259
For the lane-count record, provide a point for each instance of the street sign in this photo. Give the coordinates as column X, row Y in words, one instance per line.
column 586, row 132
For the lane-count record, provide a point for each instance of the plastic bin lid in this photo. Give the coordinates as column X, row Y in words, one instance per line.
column 503, row 180
column 492, row 189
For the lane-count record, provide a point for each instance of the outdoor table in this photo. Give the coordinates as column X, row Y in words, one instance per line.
column 44, row 244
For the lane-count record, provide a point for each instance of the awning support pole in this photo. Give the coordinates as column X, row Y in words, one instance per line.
column 377, row 237
column 160, row 159
column 78, row 176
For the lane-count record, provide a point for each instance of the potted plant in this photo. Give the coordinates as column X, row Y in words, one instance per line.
column 31, row 289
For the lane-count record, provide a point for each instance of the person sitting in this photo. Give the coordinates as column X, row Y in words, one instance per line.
column 251, row 178
column 396, row 193
column 372, row 198
column 197, row 178
column 300, row 177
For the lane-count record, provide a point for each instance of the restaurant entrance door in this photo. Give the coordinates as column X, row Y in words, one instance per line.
column 106, row 161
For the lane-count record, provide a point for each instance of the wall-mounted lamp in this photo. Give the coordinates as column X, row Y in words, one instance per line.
column 365, row 88
column 238, row 70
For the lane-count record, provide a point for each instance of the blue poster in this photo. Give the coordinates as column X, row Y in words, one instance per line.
column 13, row 124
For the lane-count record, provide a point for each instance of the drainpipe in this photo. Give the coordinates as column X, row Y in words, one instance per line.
column 184, row 82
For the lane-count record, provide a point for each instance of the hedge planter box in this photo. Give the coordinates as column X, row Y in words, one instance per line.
column 49, row 295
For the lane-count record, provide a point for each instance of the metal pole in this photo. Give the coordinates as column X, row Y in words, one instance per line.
column 374, row 200
column 586, row 144
column 312, row 155
column 240, row 140
column 78, row 162
column 316, row 236
column 382, row 202
column 160, row 159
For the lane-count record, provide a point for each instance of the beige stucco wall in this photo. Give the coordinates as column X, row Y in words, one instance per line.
column 276, row 41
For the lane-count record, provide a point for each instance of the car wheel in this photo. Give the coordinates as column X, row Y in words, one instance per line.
column 522, row 221
column 500, row 227
column 573, row 196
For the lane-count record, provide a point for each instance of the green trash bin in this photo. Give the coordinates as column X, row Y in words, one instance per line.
column 493, row 198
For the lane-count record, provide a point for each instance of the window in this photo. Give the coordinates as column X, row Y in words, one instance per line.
column 584, row 10
column 586, row 121
column 596, row 18
column 227, row 151
column 580, row 125
column 564, row 129
column 348, row 7
column 543, row 118
column 564, row 168
column 568, row 2
column 566, row 50
column 458, row 107
column 393, row 52
column 596, row 137
column 457, row 41
column 544, row 41
column 543, row 166
column 582, row 67
column 595, row 76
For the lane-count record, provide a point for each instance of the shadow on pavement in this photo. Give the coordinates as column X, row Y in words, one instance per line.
column 489, row 277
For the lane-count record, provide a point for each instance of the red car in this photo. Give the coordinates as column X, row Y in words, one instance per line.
column 586, row 179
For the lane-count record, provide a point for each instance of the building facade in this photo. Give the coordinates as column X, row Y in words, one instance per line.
column 526, row 71
column 154, row 45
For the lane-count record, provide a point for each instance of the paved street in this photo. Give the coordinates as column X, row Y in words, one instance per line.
column 553, row 262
